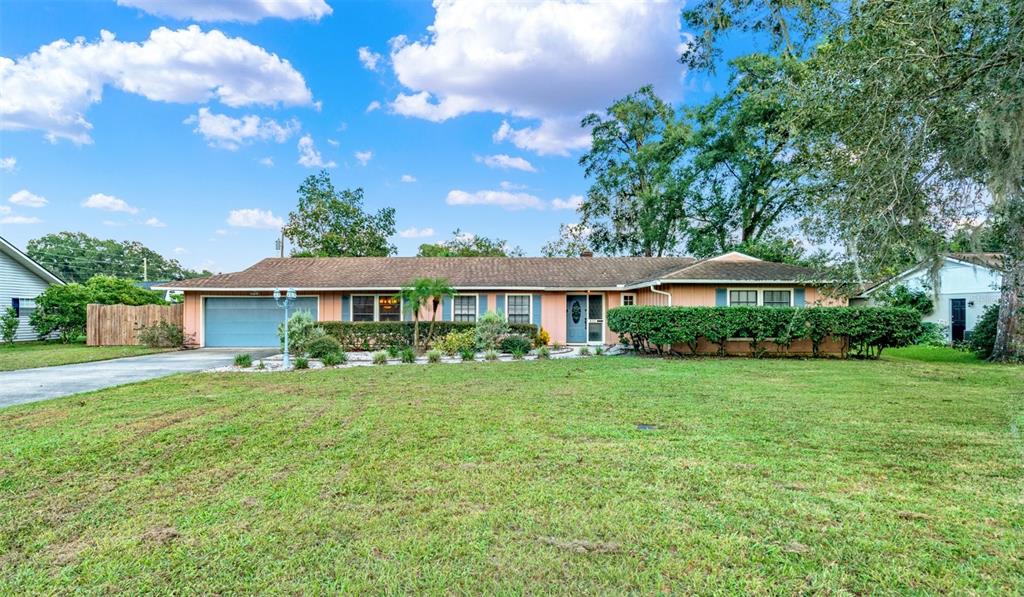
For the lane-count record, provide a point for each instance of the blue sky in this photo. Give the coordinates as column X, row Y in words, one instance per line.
column 192, row 140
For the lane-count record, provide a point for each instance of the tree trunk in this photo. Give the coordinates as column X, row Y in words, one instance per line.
column 416, row 330
column 1009, row 344
column 433, row 317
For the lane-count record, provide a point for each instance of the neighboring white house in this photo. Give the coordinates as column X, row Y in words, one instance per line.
column 966, row 284
column 21, row 281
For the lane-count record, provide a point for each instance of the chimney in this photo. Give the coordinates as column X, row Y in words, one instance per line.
column 586, row 254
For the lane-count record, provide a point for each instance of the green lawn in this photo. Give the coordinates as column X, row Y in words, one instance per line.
column 25, row 355
column 933, row 354
column 774, row 476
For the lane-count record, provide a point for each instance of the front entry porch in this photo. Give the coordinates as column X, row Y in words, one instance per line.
column 584, row 318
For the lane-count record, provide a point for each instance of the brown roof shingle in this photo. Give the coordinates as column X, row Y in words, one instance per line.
column 384, row 273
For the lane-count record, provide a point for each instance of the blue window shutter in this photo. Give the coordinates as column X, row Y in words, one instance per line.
column 499, row 303
column 798, row 297
column 481, row 305
column 536, row 310
column 446, row 308
column 16, row 304
column 721, row 297
column 346, row 308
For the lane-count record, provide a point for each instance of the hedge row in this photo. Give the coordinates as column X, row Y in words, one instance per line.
column 377, row 335
column 864, row 330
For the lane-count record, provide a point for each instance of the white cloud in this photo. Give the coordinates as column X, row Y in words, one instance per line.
column 573, row 202
column 220, row 232
column 505, row 162
column 243, row 11
column 415, row 232
column 374, row 105
column 19, row 220
column 267, row 161
column 309, row 156
column 253, row 218
column 4, row 209
column 408, row 178
column 510, row 186
column 502, row 57
column 504, row 199
column 225, row 132
column 108, row 203
column 333, row 142
column 8, row 164
column 180, row 250
column 369, row 58
column 112, row 223
column 155, row 223
column 51, row 89
column 554, row 136
column 26, row 198
column 363, row 157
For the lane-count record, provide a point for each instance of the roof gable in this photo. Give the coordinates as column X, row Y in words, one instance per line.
column 28, row 263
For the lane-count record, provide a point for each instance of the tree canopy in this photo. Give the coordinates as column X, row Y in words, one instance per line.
column 77, row 257
column 331, row 223
column 469, row 245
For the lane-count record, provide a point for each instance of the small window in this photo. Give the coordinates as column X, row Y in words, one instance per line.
column 742, row 298
column 390, row 308
column 362, row 308
column 777, row 298
column 518, row 308
column 465, row 307
column 628, row 300
column 16, row 305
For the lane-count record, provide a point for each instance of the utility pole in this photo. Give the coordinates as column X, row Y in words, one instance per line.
column 145, row 269
column 279, row 243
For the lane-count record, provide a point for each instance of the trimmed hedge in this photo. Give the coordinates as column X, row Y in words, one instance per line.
column 377, row 335
column 866, row 331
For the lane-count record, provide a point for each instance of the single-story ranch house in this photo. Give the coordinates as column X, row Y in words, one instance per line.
column 569, row 297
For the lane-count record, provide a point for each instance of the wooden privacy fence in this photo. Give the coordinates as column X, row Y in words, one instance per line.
column 116, row 325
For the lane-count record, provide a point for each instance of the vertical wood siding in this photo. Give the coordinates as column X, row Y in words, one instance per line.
column 118, row 325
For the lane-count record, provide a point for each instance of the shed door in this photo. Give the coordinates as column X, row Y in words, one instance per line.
column 958, row 318
column 247, row 322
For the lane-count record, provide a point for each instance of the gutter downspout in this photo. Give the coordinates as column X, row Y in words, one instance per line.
column 662, row 292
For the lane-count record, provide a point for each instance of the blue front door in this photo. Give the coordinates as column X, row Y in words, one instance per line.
column 247, row 322
column 576, row 318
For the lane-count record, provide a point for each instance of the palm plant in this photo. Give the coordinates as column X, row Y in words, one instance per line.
column 420, row 293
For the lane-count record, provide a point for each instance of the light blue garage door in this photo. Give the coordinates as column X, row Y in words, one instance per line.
column 247, row 322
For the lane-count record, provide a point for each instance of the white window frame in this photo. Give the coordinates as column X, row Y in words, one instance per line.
column 792, row 294
column 603, row 321
column 529, row 305
column 622, row 299
column 476, row 305
column 376, row 307
column 729, row 291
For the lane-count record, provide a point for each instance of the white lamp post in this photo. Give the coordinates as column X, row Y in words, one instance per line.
column 289, row 297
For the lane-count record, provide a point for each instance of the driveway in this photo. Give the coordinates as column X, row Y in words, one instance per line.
column 30, row 385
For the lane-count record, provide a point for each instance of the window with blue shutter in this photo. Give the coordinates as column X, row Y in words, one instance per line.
column 721, row 297
column 536, row 309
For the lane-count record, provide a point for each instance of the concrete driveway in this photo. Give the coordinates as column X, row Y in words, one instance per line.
column 30, row 385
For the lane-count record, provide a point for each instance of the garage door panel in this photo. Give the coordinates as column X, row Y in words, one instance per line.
column 247, row 322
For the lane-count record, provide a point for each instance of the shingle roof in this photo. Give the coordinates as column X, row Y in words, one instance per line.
column 989, row 260
column 384, row 273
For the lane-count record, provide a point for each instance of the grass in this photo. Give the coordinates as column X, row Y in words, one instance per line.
column 933, row 354
column 25, row 355
column 775, row 476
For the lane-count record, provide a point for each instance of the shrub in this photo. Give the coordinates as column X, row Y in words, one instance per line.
column 518, row 354
column 378, row 335
column 584, row 351
column 9, row 325
column 434, row 356
column 380, row 358
column 302, row 333
column 932, row 334
column 543, row 338
column 516, row 343
column 61, row 310
column 491, row 355
column 334, row 358
column 543, row 353
column 324, row 345
column 468, row 354
column 302, row 363
column 556, row 346
column 394, row 351
column 243, row 360
column 261, row 365
column 455, row 342
column 983, row 337
column 598, row 351
column 901, row 296
column 162, row 334
column 490, row 329
column 407, row 355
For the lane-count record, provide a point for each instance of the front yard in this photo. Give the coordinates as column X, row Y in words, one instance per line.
column 601, row 475
column 25, row 355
